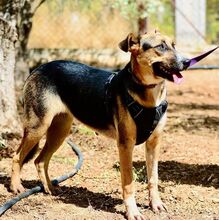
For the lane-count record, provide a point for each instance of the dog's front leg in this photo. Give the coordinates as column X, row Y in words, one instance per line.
column 125, row 155
column 152, row 156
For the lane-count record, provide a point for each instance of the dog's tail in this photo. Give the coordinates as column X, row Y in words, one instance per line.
column 31, row 154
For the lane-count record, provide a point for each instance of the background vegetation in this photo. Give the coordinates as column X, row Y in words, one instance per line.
column 101, row 24
column 213, row 21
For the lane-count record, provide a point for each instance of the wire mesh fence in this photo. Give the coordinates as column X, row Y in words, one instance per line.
column 97, row 24
column 71, row 24
column 73, row 27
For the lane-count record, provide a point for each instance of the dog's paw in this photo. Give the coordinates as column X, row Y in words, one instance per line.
column 49, row 189
column 155, row 202
column 157, row 206
column 17, row 188
column 134, row 214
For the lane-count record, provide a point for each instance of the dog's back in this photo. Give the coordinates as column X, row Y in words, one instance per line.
column 79, row 87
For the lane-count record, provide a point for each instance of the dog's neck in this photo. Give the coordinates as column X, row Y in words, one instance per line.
column 148, row 95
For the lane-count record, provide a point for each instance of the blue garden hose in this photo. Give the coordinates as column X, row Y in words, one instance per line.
column 39, row 188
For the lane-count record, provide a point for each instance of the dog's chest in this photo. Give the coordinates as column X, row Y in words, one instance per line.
column 146, row 119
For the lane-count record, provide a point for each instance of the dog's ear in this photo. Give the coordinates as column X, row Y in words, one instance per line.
column 156, row 31
column 130, row 43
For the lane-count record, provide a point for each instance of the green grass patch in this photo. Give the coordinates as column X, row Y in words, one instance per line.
column 85, row 130
column 138, row 172
column 64, row 160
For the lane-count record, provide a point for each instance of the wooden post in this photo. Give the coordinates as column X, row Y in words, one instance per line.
column 142, row 22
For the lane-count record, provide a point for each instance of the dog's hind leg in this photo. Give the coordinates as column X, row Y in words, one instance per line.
column 56, row 134
column 32, row 136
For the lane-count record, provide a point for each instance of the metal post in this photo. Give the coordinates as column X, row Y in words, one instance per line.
column 190, row 23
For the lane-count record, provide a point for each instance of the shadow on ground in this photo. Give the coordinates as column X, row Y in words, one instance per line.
column 192, row 106
column 182, row 173
column 192, row 122
column 78, row 196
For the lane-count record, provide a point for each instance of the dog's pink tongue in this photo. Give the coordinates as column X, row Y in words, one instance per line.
column 177, row 78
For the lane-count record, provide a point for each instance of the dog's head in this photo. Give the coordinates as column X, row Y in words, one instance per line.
column 154, row 58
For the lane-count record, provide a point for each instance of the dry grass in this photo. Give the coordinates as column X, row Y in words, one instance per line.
column 74, row 29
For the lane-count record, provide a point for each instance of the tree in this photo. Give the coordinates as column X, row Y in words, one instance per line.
column 212, row 21
column 15, row 26
column 137, row 11
column 8, row 34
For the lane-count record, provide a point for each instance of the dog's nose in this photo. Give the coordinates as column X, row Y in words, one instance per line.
column 185, row 63
column 182, row 62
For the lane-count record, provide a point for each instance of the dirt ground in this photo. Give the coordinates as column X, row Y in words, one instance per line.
column 188, row 168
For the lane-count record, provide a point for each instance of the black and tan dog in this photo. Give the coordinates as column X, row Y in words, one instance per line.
column 129, row 106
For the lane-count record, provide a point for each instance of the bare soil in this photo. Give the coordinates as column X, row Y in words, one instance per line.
column 188, row 168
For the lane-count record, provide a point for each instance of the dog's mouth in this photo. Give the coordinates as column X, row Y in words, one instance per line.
column 172, row 75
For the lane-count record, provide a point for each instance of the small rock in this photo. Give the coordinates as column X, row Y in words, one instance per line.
column 215, row 200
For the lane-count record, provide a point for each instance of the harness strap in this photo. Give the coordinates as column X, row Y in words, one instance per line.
column 109, row 92
column 146, row 119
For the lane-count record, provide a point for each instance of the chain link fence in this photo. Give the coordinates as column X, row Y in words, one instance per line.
column 84, row 25
column 73, row 24
column 57, row 25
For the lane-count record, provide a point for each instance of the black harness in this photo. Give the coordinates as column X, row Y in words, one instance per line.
column 146, row 119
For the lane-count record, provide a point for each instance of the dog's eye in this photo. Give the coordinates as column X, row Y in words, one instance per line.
column 146, row 46
column 162, row 47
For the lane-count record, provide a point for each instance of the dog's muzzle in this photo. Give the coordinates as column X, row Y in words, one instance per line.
column 172, row 74
column 182, row 62
column 172, row 71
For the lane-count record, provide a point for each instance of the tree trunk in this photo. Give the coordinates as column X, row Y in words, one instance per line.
column 142, row 21
column 142, row 25
column 15, row 24
column 8, row 110
column 24, row 25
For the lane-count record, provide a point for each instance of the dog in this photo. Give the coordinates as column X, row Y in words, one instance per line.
column 129, row 106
